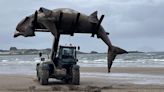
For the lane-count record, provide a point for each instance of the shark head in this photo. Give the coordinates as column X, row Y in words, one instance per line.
column 26, row 27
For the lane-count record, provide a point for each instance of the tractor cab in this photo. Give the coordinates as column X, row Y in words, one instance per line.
column 67, row 55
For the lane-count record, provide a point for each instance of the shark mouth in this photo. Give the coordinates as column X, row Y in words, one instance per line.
column 17, row 33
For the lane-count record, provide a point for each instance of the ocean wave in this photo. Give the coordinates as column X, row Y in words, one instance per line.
column 4, row 61
column 93, row 61
column 20, row 62
column 100, row 60
column 143, row 59
column 158, row 60
column 96, row 61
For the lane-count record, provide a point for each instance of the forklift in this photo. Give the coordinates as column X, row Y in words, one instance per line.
column 62, row 65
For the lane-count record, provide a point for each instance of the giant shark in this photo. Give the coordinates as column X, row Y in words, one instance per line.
column 65, row 21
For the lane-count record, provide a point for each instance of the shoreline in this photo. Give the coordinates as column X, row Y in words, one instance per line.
column 140, row 70
column 121, row 79
column 131, row 70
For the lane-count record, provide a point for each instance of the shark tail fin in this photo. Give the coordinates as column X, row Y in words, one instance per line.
column 112, row 53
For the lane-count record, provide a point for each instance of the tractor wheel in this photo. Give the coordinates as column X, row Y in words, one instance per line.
column 75, row 75
column 37, row 75
column 37, row 72
column 67, row 81
column 43, row 79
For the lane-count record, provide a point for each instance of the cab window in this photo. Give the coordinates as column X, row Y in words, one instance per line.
column 68, row 53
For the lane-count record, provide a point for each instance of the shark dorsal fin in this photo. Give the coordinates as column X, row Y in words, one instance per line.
column 93, row 17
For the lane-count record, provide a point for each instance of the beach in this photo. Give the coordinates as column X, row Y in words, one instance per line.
column 93, row 79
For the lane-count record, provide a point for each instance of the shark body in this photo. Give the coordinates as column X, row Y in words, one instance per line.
column 64, row 21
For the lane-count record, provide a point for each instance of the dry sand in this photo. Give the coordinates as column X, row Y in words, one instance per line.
column 92, row 80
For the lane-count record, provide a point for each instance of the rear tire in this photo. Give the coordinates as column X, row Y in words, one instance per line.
column 37, row 72
column 75, row 75
column 43, row 79
column 38, row 78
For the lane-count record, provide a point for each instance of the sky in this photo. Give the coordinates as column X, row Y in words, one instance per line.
column 132, row 24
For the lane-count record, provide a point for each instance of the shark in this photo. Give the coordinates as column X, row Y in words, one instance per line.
column 65, row 21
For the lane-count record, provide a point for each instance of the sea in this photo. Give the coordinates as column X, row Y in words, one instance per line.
column 26, row 64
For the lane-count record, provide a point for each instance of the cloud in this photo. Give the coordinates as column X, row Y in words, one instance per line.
column 138, row 19
column 127, row 21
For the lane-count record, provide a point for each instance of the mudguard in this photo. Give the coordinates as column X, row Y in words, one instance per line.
column 76, row 67
column 45, row 67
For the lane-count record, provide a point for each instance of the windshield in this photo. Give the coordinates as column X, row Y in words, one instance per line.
column 68, row 53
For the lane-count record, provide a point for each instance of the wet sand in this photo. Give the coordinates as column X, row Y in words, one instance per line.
column 93, row 79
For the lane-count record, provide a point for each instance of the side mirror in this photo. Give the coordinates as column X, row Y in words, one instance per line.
column 78, row 47
column 40, row 54
column 42, row 59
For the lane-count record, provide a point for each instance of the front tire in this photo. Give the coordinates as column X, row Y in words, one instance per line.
column 43, row 79
column 37, row 71
column 75, row 75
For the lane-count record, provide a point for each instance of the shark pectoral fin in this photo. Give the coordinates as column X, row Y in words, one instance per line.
column 53, row 30
column 55, row 33
column 112, row 53
column 93, row 18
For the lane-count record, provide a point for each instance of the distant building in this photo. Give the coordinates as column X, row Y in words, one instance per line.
column 93, row 52
column 13, row 49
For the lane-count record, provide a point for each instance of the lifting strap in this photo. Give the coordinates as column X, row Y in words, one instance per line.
column 75, row 24
column 97, row 26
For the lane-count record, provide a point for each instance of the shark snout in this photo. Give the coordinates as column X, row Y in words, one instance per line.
column 16, row 34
